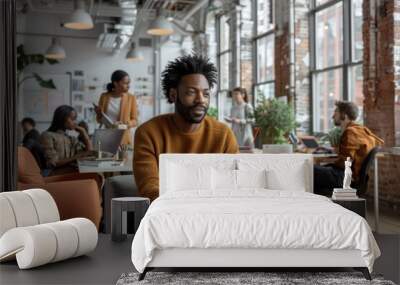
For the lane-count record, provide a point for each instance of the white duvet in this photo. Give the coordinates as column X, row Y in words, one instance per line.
column 250, row 219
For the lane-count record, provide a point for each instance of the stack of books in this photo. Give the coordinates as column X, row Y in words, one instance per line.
column 344, row 194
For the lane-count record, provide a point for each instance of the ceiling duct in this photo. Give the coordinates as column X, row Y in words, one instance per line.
column 116, row 36
column 117, row 16
column 180, row 12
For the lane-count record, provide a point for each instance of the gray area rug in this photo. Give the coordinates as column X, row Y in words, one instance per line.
column 229, row 278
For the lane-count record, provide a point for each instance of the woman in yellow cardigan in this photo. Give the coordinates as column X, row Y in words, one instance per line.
column 118, row 104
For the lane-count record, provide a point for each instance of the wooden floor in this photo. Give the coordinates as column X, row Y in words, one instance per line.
column 110, row 259
column 388, row 224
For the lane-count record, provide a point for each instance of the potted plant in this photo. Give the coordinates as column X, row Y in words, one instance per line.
column 276, row 119
column 23, row 60
column 213, row 112
column 333, row 137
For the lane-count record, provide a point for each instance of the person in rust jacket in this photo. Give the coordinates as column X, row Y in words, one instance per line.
column 356, row 142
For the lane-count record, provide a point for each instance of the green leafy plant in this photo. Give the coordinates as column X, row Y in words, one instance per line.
column 333, row 136
column 276, row 119
column 213, row 112
column 24, row 60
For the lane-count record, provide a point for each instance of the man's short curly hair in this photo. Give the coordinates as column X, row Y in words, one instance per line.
column 347, row 108
column 185, row 65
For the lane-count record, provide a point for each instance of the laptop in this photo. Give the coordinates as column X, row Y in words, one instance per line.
column 110, row 140
column 312, row 145
column 309, row 141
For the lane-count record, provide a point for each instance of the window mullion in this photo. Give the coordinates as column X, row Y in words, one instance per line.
column 254, row 49
column 312, row 38
column 346, row 49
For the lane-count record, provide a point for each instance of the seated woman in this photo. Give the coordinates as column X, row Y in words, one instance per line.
column 60, row 149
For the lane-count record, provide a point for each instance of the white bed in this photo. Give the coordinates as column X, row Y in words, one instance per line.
column 201, row 223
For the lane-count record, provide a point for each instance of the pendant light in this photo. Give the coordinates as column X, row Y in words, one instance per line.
column 160, row 27
column 133, row 54
column 79, row 19
column 55, row 50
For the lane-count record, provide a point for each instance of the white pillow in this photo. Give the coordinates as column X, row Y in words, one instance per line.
column 224, row 179
column 291, row 179
column 251, row 178
column 183, row 177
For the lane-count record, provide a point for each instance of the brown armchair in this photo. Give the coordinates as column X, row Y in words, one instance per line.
column 76, row 195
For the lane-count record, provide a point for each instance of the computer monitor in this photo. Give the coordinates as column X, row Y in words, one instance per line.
column 110, row 139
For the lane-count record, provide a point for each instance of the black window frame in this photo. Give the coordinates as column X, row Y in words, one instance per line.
column 256, row 38
column 347, row 63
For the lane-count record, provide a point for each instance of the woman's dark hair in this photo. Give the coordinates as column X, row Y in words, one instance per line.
column 28, row 120
column 242, row 91
column 116, row 76
column 347, row 108
column 60, row 116
column 185, row 65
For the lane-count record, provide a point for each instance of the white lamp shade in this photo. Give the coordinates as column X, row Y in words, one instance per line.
column 160, row 27
column 134, row 54
column 55, row 50
column 79, row 19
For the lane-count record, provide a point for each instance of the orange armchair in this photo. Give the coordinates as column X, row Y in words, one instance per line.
column 76, row 195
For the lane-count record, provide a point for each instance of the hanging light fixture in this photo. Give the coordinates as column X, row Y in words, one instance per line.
column 133, row 54
column 160, row 27
column 79, row 19
column 55, row 50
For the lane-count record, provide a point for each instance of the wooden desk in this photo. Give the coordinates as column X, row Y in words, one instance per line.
column 315, row 155
column 324, row 155
column 324, row 158
column 124, row 166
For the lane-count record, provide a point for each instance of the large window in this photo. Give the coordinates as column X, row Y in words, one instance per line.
column 246, row 46
column 212, row 47
column 337, row 57
column 224, row 66
column 264, row 49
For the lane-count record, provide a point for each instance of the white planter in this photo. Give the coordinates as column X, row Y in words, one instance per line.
column 277, row 148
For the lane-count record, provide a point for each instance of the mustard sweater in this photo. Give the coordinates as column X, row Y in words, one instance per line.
column 356, row 142
column 161, row 135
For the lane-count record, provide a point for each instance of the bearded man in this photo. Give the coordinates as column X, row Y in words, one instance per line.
column 186, row 82
column 356, row 142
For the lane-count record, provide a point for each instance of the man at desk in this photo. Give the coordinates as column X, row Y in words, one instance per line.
column 356, row 142
column 187, row 83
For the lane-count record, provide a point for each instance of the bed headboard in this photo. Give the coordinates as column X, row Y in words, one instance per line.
column 280, row 162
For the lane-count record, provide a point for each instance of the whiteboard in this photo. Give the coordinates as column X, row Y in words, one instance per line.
column 39, row 103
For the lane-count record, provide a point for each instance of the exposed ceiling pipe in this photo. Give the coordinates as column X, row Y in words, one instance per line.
column 125, row 26
column 97, row 11
column 140, row 19
column 166, row 3
column 91, row 5
column 195, row 8
column 101, row 10
column 182, row 30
